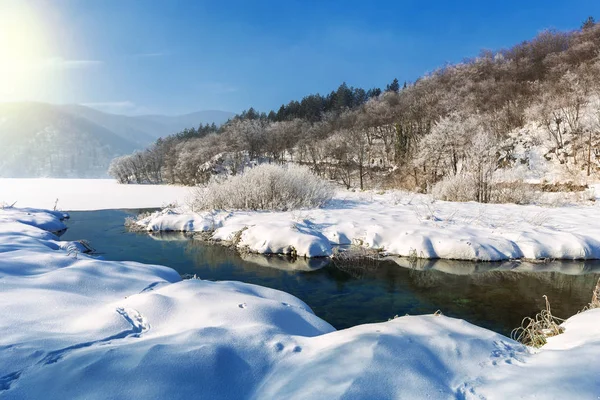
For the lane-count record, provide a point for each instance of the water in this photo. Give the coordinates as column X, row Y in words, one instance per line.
column 349, row 294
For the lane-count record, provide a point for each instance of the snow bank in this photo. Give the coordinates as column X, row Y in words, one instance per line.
column 77, row 327
column 404, row 225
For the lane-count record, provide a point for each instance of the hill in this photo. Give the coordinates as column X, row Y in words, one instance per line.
column 490, row 129
column 68, row 141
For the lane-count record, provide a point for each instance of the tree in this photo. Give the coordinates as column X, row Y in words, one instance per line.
column 482, row 162
column 354, row 133
column 588, row 23
column 444, row 150
column 343, row 98
column 374, row 92
column 393, row 87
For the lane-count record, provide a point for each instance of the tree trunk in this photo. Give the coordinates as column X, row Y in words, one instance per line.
column 360, row 172
column 589, row 154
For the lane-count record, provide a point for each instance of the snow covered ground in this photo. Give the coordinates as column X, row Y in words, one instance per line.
column 77, row 327
column 403, row 224
column 88, row 194
column 394, row 222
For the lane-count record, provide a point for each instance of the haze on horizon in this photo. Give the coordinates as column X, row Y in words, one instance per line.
column 139, row 57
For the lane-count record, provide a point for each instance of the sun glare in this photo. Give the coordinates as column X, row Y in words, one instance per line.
column 21, row 52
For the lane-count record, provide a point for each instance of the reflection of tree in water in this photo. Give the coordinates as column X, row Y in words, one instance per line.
column 500, row 297
column 504, row 295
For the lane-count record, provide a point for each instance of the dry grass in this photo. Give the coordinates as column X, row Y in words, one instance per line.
column 595, row 303
column 535, row 331
column 4, row 205
column 596, row 296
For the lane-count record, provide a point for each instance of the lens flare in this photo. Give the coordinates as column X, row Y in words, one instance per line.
column 21, row 51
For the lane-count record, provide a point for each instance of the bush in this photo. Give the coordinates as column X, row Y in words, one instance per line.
column 266, row 187
column 517, row 192
column 459, row 187
column 463, row 187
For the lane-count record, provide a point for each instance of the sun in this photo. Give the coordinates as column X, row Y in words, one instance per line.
column 21, row 51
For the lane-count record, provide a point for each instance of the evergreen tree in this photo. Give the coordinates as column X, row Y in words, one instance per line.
column 394, row 86
column 280, row 116
column 343, row 97
column 588, row 23
column 375, row 92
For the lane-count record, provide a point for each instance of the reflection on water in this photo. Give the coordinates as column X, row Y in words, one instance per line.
column 286, row 263
column 492, row 295
column 475, row 267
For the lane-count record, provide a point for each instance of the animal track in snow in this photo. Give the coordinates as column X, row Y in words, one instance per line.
column 139, row 325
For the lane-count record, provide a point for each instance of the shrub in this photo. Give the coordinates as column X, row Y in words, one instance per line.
column 463, row 187
column 517, row 192
column 459, row 187
column 266, row 187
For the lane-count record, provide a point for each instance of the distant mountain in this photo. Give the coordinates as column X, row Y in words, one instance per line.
column 74, row 141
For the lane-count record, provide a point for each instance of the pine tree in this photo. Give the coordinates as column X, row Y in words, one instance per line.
column 375, row 92
column 394, row 86
column 588, row 23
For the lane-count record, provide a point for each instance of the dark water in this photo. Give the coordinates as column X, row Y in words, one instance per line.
column 486, row 294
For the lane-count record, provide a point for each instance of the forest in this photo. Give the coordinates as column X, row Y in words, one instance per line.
column 453, row 132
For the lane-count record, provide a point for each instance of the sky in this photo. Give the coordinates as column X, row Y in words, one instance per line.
column 174, row 56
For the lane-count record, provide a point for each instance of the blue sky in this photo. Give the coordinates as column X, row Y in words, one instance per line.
column 147, row 56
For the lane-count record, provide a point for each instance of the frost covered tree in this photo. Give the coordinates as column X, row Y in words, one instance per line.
column 444, row 150
column 412, row 136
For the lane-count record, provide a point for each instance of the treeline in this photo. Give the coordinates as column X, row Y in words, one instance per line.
column 454, row 121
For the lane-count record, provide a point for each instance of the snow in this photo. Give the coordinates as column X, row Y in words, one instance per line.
column 77, row 327
column 403, row 224
column 394, row 222
column 88, row 194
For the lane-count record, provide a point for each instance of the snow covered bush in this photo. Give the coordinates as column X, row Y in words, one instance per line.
column 266, row 187
column 459, row 187
column 463, row 187
column 516, row 192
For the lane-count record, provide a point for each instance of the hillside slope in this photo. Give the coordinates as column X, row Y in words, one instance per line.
column 44, row 140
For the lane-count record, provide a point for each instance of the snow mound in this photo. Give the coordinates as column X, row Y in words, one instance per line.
column 76, row 327
column 169, row 220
